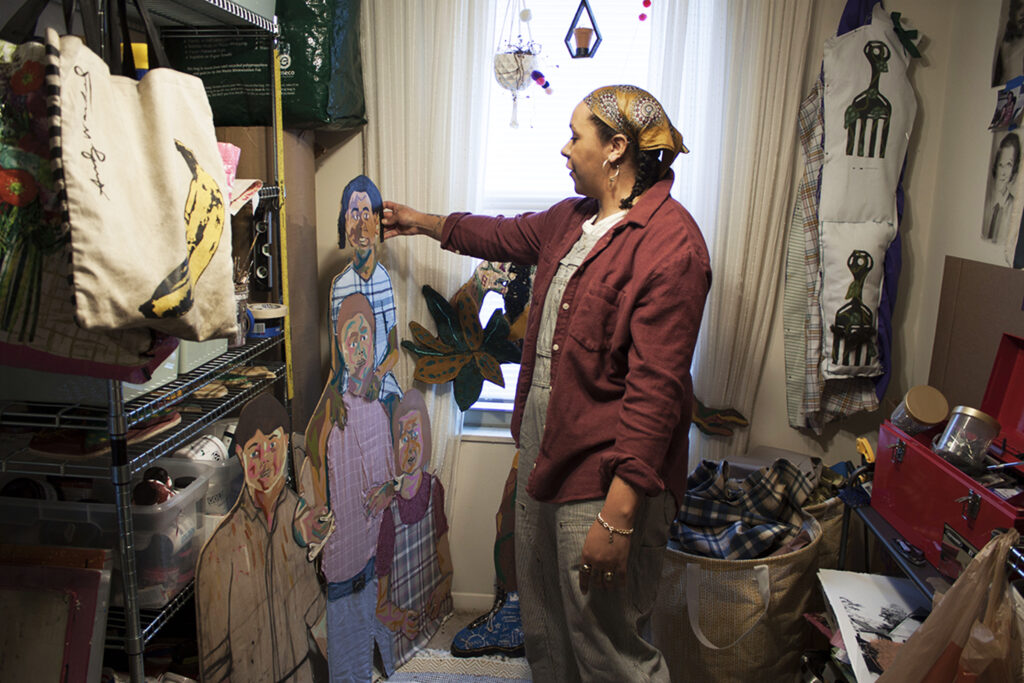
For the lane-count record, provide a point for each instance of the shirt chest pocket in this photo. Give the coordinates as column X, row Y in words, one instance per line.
column 593, row 320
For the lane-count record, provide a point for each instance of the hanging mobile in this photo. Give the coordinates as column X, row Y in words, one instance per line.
column 515, row 59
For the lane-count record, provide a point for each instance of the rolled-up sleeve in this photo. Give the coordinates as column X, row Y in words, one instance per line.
column 518, row 239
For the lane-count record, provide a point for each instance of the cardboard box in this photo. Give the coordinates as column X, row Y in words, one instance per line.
column 978, row 303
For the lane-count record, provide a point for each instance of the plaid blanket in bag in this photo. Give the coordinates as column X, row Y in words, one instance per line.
column 737, row 519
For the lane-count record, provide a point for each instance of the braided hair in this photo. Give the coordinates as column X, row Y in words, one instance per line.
column 645, row 161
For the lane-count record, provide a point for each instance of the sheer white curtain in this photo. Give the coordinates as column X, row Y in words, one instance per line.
column 422, row 76
column 734, row 87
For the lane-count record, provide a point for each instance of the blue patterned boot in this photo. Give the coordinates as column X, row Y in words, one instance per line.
column 498, row 632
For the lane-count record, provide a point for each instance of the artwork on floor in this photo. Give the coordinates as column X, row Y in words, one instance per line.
column 60, row 597
column 875, row 615
column 260, row 608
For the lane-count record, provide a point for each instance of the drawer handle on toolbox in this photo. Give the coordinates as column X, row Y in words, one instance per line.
column 898, row 449
column 970, row 505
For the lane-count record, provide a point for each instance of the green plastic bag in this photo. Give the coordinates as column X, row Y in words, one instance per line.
column 321, row 68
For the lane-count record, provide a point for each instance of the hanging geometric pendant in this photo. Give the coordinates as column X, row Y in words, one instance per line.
column 578, row 38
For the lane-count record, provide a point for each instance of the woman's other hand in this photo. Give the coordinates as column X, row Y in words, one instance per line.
column 399, row 219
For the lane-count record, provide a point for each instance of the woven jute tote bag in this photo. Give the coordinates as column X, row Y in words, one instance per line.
column 735, row 620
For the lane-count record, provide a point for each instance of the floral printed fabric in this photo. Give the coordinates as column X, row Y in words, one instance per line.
column 30, row 225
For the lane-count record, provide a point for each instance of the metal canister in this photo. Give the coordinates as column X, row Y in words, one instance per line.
column 921, row 408
column 967, row 436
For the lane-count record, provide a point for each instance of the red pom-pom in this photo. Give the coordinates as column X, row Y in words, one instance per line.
column 643, row 17
column 647, row 3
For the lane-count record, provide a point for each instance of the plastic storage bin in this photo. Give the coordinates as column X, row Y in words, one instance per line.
column 167, row 541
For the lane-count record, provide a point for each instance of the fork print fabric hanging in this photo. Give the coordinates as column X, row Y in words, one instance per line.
column 869, row 113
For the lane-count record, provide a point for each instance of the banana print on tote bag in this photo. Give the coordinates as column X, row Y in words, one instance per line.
column 204, row 225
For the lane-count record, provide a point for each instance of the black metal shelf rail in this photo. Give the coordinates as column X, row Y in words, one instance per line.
column 200, row 14
column 142, row 455
column 78, row 416
column 152, row 619
column 183, row 387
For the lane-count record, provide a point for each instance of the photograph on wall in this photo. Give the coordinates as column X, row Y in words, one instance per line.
column 1003, row 197
column 1008, row 60
column 1009, row 105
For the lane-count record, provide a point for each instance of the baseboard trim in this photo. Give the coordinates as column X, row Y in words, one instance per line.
column 472, row 602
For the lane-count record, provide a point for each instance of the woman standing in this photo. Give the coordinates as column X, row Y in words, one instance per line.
column 603, row 403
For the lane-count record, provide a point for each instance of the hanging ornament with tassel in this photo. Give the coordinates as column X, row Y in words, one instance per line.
column 516, row 56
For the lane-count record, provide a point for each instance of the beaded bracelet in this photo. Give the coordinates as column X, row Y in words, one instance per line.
column 612, row 530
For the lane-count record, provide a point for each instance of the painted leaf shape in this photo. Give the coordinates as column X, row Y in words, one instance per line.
column 496, row 340
column 438, row 370
column 489, row 368
column 424, row 338
column 468, row 384
column 448, row 329
column 418, row 350
column 469, row 321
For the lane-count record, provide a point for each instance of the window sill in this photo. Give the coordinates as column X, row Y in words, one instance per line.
column 487, row 435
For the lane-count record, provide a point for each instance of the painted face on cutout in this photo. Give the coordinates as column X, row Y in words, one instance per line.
column 263, row 459
column 585, row 154
column 356, row 338
column 361, row 223
column 493, row 276
column 410, row 442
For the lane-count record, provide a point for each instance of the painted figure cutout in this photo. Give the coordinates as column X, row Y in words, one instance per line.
column 854, row 327
column 350, row 465
column 204, row 225
column 359, row 223
column 414, row 566
column 870, row 105
column 260, row 610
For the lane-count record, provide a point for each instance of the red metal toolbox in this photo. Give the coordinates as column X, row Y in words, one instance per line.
column 941, row 509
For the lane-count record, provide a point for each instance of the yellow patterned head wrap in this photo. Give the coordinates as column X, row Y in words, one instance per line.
column 636, row 114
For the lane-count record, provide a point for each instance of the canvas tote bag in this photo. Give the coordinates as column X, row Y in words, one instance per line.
column 145, row 196
column 735, row 620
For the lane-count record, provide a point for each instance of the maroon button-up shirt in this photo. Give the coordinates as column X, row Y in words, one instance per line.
column 621, row 391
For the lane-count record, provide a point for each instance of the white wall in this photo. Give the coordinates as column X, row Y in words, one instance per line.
column 475, row 493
